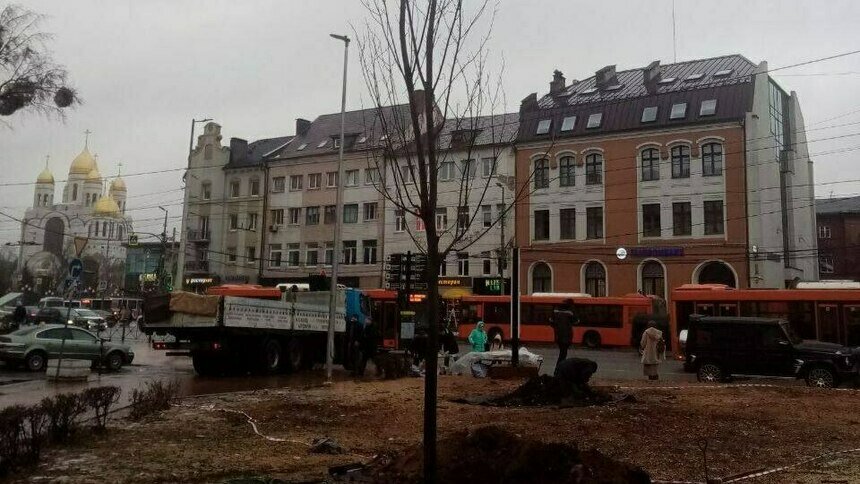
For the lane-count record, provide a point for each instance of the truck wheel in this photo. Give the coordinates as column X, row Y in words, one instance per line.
column 591, row 340
column 821, row 377
column 204, row 365
column 271, row 356
column 295, row 355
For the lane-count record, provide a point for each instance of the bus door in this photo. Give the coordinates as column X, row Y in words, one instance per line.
column 851, row 320
column 828, row 323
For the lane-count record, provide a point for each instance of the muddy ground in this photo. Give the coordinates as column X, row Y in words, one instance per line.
column 746, row 428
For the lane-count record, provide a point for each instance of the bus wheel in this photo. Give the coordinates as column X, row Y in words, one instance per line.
column 271, row 356
column 295, row 355
column 591, row 339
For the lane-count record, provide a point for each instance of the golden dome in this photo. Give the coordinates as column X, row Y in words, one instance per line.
column 94, row 176
column 45, row 177
column 83, row 164
column 118, row 185
column 106, row 207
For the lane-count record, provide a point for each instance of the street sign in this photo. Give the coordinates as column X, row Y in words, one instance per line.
column 393, row 285
column 76, row 268
column 80, row 244
column 102, row 286
column 132, row 240
column 419, row 286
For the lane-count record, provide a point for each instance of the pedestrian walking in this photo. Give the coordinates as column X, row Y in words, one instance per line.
column 478, row 338
column 562, row 323
column 369, row 345
column 125, row 315
column 653, row 348
column 496, row 344
column 20, row 315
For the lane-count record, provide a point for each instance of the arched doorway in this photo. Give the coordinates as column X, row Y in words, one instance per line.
column 653, row 279
column 55, row 231
column 716, row 272
column 541, row 278
column 595, row 279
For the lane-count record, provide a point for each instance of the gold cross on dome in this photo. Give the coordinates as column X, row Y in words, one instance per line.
column 87, row 138
column 119, row 169
column 47, row 159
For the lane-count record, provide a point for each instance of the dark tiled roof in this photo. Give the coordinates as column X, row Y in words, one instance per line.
column 257, row 150
column 622, row 106
column 493, row 129
column 825, row 206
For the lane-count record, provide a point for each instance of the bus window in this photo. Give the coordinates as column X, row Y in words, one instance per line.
column 497, row 313
column 536, row 313
column 683, row 310
column 469, row 313
column 705, row 309
column 728, row 309
column 852, row 326
column 600, row 315
column 828, row 323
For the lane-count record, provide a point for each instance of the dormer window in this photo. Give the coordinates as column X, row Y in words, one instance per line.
column 649, row 114
column 568, row 123
column 335, row 142
column 708, row 107
column 302, row 147
column 694, row 77
column 723, row 73
column 594, row 120
column 614, row 87
column 322, row 143
column 543, row 126
column 362, row 139
column 668, row 80
column 591, row 90
column 679, row 111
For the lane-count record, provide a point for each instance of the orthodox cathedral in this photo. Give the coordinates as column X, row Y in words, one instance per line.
column 92, row 208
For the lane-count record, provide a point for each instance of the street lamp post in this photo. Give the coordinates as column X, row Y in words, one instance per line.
column 184, row 232
column 160, row 276
column 335, row 263
column 502, row 245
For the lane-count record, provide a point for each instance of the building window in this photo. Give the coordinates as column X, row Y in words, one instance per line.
column 651, row 220
column 681, row 161
column 234, row 221
column 275, row 255
column 541, row 225
column 825, row 264
column 653, row 279
column 349, row 252
column 543, row 126
column 371, row 211
column 87, row 203
column 594, row 121
column 329, row 253
column 541, row 174
column 462, row 263
column 468, row 169
column 293, row 255
column 406, row 174
column 252, row 221
column 231, row 254
column 446, row 171
column 708, row 107
column 650, row 164
column 541, row 278
column 649, row 114
column 371, row 176
column 277, row 216
column 312, row 216
column 250, row 254
column 682, row 222
column 567, row 223
column 314, row 180
column 207, row 152
column 594, row 169
column 369, row 248
column 350, row 178
column 679, row 111
column 443, row 268
column 441, row 219
column 594, row 223
column 331, row 179
column 712, row 159
column 235, row 188
column 295, row 216
column 278, row 184
column 399, row 220
column 296, row 182
column 568, row 123
column 329, row 214
column 486, row 263
column 255, row 187
column 350, row 213
column 463, row 217
column 823, row 231
column 105, row 228
column 206, row 191
column 488, row 167
column 566, row 172
column 713, row 217
column 312, row 255
column 595, row 279
column 487, row 215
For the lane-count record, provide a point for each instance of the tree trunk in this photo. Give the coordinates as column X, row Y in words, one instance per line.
column 431, row 360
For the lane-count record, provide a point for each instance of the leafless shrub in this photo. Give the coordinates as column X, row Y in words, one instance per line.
column 101, row 399
column 63, row 412
column 155, row 397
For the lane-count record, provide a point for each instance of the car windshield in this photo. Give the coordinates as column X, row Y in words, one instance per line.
column 792, row 336
column 23, row 331
column 87, row 313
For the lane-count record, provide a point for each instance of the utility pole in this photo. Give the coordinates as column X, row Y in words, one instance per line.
column 515, row 306
column 502, row 244
column 161, row 265
column 335, row 265
column 183, row 242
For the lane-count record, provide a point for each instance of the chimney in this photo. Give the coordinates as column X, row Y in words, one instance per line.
column 238, row 150
column 651, row 73
column 558, row 82
column 529, row 103
column 302, row 126
column 605, row 77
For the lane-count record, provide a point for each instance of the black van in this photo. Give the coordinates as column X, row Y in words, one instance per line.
column 718, row 347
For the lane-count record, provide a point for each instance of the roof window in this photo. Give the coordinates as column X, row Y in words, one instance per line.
column 302, row 146
column 568, row 123
column 383, row 137
column 649, row 114
column 322, row 143
column 543, row 126
column 708, row 107
column 668, row 80
column 723, row 73
column 590, row 90
column 679, row 111
column 614, row 87
column 694, row 77
column 594, row 120
column 362, row 139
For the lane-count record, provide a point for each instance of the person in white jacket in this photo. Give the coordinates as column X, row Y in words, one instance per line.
column 653, row 350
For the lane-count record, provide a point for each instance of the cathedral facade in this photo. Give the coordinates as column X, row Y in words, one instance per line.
column 92, row 208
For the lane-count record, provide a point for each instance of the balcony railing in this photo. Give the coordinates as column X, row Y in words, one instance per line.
column 198, row 235
column 197, row 266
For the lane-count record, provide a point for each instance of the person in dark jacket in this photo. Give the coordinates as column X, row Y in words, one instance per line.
column 369, row 343
column 562, row 323
column 20, row 315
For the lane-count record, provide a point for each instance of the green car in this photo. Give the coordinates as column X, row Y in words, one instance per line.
column 34, row 345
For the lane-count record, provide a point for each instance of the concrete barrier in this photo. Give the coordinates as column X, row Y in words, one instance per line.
column 70, row 370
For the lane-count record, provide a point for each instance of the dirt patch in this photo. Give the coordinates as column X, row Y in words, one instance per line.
column 545, row 390
column 493, row 454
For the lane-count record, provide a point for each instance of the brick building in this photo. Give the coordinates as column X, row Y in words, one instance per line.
column 839, row 238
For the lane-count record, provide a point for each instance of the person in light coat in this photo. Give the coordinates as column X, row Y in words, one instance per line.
column 653, row 350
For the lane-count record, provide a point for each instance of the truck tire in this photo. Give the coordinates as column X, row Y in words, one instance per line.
column 205, row 365
column 271, row 357
column 295, row 355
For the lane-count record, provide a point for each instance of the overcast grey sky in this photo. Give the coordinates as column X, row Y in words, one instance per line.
column 145, row 68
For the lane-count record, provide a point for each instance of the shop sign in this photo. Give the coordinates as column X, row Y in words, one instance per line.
column 455, row 281
column 199, row 280
column 656, row 252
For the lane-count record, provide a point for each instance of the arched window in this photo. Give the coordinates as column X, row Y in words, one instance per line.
column 96, row 231
column 595, row 279
column 74, row 192
column 88, row 200
column 541, row 175
column 119, row 232
column 681, row 161
column 716, row 272
column 541, row 278
column 566, row 172
column 650, row 164
column 712, row 159
column 55, row 230
column 104, row 229
column 207, row 152
column 594, row 169
column 653, row 279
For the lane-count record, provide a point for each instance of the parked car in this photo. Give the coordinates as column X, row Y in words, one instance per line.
column 57, row 302
column 34, row 345
column 718, row 347
column 50, row 315
column 88, row 319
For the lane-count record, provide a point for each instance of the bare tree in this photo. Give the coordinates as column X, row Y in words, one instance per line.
column 29, row 77
column 425, row 66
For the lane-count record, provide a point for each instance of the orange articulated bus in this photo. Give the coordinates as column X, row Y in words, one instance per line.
column 604, row 321
column 385, row 314
column 831, row 315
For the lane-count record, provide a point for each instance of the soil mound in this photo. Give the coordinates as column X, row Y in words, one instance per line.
column 494, row 455
column 545, row 390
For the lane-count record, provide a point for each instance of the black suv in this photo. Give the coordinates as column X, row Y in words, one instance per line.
column 718, row 347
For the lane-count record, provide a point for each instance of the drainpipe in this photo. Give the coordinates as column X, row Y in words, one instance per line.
column 263, row 226
column 746, row 210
